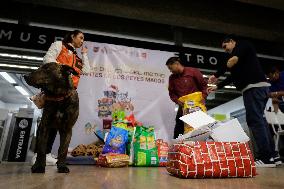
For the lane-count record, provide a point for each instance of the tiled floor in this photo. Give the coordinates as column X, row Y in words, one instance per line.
column 85, row 177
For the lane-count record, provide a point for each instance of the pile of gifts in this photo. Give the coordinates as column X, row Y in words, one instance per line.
column 130, row 143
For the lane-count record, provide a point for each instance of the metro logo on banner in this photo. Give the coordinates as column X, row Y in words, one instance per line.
column 132, row 79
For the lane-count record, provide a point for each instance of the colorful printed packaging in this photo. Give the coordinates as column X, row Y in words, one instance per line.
column 163, row 149
column 116, row 141
column 113, row 160
column 192, row 102
column 145, row 149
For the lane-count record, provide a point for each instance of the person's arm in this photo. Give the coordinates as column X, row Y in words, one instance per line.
column 232, row 61
column 86, row 64
column 213, row 79
column 201, row 83
column 220, row 71
column 227, row 81
column 275, row 104
column 172, row 93
column 276, row 94
column 241, row 50
column 53, row 52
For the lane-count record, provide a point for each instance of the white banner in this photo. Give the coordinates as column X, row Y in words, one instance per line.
column 124, row 77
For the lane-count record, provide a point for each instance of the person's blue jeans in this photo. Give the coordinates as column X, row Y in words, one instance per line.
column 255, row 100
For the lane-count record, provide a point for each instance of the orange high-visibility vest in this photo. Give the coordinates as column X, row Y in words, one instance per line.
column 71, row 59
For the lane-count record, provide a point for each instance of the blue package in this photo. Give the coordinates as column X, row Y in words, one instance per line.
column 116, row 141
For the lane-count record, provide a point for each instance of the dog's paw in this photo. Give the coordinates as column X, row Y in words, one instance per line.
column 63, row 169
column 37, row 169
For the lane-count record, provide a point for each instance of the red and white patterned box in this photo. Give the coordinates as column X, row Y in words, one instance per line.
column 211, row 159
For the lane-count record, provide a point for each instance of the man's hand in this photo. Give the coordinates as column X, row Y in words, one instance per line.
column 212, row 79
column 211, row 89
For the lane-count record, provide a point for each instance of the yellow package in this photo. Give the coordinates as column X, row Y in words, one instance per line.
column 192, row 102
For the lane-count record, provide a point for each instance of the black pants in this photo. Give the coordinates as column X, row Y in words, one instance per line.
column 50, row 140
column 179, row 128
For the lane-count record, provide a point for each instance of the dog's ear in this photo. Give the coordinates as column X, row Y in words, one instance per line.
column 69, row 70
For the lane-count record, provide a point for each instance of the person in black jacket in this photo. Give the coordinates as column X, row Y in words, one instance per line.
column 249, row 78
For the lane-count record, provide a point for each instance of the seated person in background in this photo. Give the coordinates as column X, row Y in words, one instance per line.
column 276, row 79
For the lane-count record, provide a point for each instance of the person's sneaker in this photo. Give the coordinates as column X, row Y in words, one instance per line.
column 54, row 156
column 33, row 160
column 276, row 160
column 261, row 163
column 50, row 159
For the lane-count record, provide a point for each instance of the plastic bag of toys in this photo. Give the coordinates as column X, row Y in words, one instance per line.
column 132, row 121
column 118, row 115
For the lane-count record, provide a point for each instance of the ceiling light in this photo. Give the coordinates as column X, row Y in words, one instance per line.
column 19, row 66
column 226, row 87
column 10, row 55
column 8, row 77
column 21, row 56
column 22, row 90
column 32, row 58
column 229, row 87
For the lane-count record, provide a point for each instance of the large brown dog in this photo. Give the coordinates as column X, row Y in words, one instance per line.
column 60, row 111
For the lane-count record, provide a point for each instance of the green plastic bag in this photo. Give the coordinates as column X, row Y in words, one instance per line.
column 118, row 115
column 145, row 149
